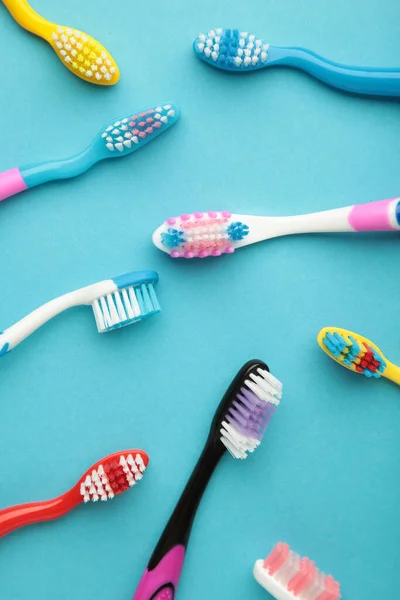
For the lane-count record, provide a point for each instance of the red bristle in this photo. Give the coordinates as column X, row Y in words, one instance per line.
column 372, row 368
column 358, row 369
column 116, row 476
column 364, row 364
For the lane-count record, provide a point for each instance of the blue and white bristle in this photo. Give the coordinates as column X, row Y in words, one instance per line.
column 125, row 306
column 250, row 413
column 231, row 49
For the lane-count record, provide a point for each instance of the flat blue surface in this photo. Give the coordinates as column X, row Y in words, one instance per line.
column 276, row 142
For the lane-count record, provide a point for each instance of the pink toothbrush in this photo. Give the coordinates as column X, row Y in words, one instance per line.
column 203, row 234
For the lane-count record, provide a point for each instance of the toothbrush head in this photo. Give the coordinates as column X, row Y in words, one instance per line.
column 130, row 132
column 84, row 56
column 132, row 299
column 353, row 351
column 200, row 235
column 286, row 575
column 231, row 50
column 112, row 475
column 246, row 409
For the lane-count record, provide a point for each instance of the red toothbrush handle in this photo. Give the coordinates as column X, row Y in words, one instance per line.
column 34, row 512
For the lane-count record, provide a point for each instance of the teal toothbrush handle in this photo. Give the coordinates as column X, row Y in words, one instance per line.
column 38, row 173
column 358, row 80
column 17, row 180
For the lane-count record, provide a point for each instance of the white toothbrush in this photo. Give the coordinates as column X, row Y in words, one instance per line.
column 116, row 302
column 215, row 233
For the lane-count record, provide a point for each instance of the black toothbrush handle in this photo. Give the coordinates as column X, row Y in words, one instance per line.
column 161, row 578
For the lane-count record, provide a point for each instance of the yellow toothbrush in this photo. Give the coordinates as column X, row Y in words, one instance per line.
column 357, row 353
column 78, row 51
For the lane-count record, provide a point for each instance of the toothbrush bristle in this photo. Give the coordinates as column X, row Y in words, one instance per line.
column 300, row 576
column 354, row 353
column 125, row 306
column 250, row 412
column 131, row 131
column 113, row 476
column 200, row 235
column 231, row 49
column 84, row 56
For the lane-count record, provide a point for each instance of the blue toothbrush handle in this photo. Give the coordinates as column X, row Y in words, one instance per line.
column 358, row 80
column 38, row 173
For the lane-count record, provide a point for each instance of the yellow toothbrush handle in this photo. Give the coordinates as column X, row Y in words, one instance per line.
column 30, row 20
column 393, row 373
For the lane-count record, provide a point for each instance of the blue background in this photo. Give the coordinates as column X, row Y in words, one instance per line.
column 277, row 142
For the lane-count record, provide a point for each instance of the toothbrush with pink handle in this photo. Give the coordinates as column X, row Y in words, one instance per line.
column 238, row 427
column 117, row 138
column 212, row 233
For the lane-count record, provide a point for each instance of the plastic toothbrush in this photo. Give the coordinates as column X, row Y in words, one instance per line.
column 237, row 428
column 212, row 233
column 79, row 52
column 110, row 476
column 116, row 302
column 120, row 137
column 232, row 50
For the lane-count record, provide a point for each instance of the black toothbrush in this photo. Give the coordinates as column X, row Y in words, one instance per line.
column 238, row 427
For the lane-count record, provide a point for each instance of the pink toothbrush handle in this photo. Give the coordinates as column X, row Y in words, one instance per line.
column 161, row 582
column 11, row 182
column 383, row 215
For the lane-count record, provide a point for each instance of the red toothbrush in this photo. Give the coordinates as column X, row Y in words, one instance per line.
column 110, row 476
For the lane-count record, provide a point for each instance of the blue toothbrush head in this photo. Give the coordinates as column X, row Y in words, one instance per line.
column 231, row 50
column 132, row 131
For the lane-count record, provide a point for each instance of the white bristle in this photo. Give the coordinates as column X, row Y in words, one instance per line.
column 67, row 45
column 140, row 463
column 95, row 486
column 269, row 390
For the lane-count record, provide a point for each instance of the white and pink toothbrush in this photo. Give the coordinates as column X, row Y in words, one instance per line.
column 212, row 233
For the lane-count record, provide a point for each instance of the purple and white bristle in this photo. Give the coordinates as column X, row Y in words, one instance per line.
column 250, row 413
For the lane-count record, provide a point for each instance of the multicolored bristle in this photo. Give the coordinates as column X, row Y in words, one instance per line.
column 125, row 306
column 130, row 132
column 113, row 476
column 231, row 49
column 84, row 56
column 355, row 353
column 250, row 412
column 286, row 573
column 200, row 235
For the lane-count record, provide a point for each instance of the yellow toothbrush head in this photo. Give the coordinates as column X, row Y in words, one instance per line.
column 84, row 56
column 353, row 351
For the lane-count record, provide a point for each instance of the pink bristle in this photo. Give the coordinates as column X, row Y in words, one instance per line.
column 303, row 578
column 277, row 558
column 332, row 590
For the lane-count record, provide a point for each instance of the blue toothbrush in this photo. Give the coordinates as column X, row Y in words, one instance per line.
column 120, row 137
column 232, row 50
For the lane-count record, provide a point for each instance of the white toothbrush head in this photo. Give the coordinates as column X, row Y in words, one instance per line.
column 199, row 235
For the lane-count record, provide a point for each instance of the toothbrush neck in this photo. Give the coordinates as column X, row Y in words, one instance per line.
column 179, row 526
column 15, row 517
column 360, row 80
column 38, row 173
column 29, row 19
column 26, row 326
